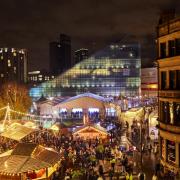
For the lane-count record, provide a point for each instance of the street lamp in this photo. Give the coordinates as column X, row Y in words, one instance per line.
column 140, row 125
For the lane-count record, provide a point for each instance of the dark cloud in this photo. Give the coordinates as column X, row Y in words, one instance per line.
column 32, row 24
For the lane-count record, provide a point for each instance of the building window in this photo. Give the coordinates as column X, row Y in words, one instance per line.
column 171, row 47
column 172, row 79
column 162, row 50
column 166, row 112
column 171, row 151
column 14, row 69
column 177, row 46
column 177, row 113
column 9, row 63
column 178, row 79
column 163, row 80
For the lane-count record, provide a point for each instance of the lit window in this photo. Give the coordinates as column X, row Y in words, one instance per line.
column 9, row 63
column 14, row 69
column 14, row 54
column 1, row 57
column 5, row 49
column 2, row 75
column 131, row 54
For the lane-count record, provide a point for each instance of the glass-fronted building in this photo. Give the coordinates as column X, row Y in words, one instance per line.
column 113, row 71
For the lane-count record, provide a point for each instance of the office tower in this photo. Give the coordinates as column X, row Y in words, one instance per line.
column 65, row 51
column 56, row 66
column 168, row 48
column 80, row 55
column 13, row 65
column 60, row 55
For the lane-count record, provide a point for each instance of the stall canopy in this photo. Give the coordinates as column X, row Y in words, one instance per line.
column 91, row 131
column 85, row 100
column 17, row 131
column 28, row 157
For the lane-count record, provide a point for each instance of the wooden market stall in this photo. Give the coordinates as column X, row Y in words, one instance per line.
column 28, row 160
column 90, row 131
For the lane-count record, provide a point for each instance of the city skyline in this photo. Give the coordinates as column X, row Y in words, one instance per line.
column 91, row 24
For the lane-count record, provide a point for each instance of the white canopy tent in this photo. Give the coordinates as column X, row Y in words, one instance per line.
column 17, row 131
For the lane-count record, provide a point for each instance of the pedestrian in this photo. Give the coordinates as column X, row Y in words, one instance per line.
column 111, row 173
column 113, row 161
column 130, row 176
column 127, row 176
column 101, row 171
column 141, row 176
column 149, row 148
column 100, row 178
column 154, row 177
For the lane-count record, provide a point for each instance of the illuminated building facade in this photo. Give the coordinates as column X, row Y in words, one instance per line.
column 168, row 47
column 113, row 71
column 13, row 65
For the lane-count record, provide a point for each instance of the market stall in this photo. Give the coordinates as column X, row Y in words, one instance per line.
column 28, row 160
column 16, row 131
column 90, row 132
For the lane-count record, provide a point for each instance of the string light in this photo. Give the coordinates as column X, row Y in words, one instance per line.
column 9, row 111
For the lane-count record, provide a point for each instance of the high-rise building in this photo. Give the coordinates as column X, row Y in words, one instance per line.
column 168, row 48
column 56, row 66
column 112, row 71
column 65, row 55
column 80, row 55
column 13, row 65
column 60, row 55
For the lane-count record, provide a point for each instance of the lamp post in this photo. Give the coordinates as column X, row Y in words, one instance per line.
column 140, row 126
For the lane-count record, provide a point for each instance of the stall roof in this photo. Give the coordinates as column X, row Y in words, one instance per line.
column 36, row 158
column 91, row 126
column 86, row 100
column 17, row 132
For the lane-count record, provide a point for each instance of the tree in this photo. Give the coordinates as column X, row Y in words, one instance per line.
column 16, row 96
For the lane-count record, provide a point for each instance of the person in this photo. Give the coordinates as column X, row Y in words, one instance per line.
column 101, row 171
column 141, row 176
column 154, row 177
column 111, row 173
column 127, row 176
column 100, row 178
column 113, row 161
column 149, row 148
column 130, row 176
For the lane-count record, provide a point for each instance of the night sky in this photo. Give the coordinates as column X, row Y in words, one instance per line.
column 92, row 24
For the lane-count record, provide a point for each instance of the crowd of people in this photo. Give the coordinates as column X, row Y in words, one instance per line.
column 91, row 159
